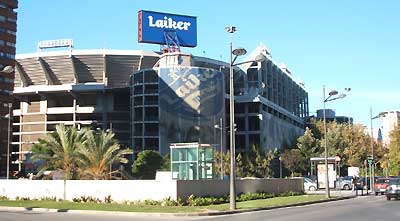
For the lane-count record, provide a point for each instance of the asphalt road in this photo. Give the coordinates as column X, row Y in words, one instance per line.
column 362, row 209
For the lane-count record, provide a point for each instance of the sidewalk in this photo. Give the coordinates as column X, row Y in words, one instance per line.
column 341, row 193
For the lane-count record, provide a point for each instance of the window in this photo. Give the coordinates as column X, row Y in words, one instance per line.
column 252, row 74
column 151, row 129
column 138, row 130
column 254, row 108
column 138, row 114
column 138, row 101
column 240, row 123
column 10, row 44
column 240, row 142
column 11, row 20
column 151, row 89
column 138, row 78
column 150, row 77
column 11, row 32
column 151, row 114
column 254, row 123
column 254, row 139
column 239, row 108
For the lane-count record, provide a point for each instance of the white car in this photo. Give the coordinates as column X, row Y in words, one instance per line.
column 309, row 184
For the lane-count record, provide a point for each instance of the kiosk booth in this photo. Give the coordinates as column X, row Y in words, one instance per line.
column 318, row 170
column 192, row 161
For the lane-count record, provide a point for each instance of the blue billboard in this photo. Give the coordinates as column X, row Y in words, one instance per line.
column 154, row 26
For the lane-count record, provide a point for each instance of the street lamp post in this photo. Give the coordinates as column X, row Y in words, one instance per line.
column 372, row 180
column 280, row 167
column 232, row 186
column 329, row 98
column 259, row 58
column 221, row 128
column 8, row 140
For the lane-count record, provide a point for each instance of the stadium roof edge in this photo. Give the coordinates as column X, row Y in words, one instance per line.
column 87, row 52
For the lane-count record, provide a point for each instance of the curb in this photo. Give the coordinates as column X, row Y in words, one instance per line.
column 213, row 213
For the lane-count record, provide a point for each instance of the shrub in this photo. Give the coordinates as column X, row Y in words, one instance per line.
column 87, row 199
column 170, row 202
column 254, row 196
column 146, row 164
column 47, row 198
column 205, row 201
column 149, row 202
column 108, row 199
column 23, row 198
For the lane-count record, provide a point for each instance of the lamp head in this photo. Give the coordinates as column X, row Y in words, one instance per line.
column 230, row 29
column 8, row 69
column 333, row 93
column 239, row 51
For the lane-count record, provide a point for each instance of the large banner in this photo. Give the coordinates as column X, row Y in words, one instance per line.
column 191, row 102
column 153, row 26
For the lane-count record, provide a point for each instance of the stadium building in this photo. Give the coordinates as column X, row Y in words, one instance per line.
column 151, row 100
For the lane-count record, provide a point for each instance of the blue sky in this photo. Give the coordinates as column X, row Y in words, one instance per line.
column 334, row 43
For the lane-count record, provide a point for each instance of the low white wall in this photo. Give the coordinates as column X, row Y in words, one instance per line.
column 32, row 188
column 221, row 187
column 119, row 190
column 133, row 190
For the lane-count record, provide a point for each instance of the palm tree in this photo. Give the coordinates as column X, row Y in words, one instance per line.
column 61, row 150
column 98, row 153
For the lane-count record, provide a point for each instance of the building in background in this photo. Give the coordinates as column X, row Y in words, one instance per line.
column 389, row 120
column 8, row 29
column 331, row 116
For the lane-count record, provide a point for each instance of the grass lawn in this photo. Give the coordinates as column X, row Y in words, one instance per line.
column 66, row 205
column 276, row 201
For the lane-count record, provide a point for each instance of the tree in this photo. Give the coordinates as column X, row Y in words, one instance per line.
column 308, row 147
column 394, row 149
column 146, row 164
column 266, row 163
column 255, row 162
column 61, row 150
column 240, row 166
column 98, row 154
column 291, row 159
column 166, row 162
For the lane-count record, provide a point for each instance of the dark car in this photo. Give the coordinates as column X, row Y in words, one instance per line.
column 360, row 185
column 393, row 189
column 380, row 185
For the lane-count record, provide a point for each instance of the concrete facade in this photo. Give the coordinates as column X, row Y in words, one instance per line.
column 84, row 88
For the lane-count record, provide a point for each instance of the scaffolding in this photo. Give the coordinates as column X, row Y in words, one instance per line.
column 171, row 42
